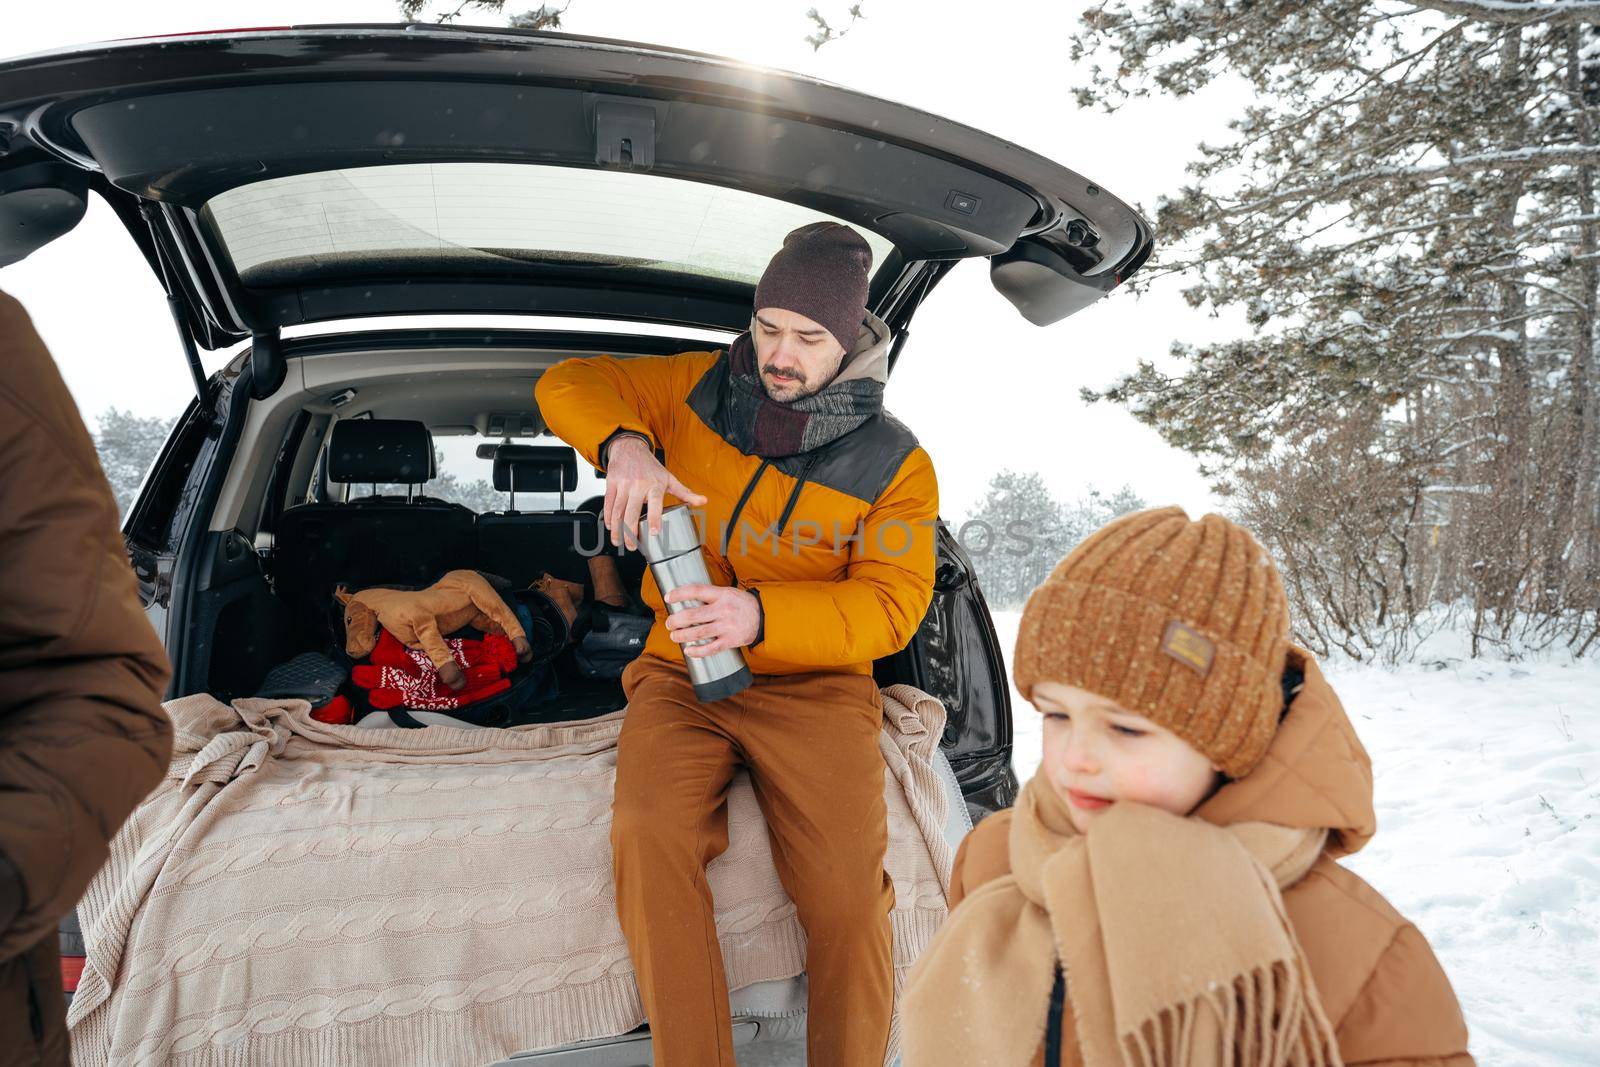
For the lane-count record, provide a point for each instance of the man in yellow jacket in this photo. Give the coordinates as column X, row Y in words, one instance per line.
column 818, row 510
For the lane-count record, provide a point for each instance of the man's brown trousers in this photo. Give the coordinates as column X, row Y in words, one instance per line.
column 810, row 744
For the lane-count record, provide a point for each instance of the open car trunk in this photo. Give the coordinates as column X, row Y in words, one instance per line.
column 234, row 601
column 238, row 600
column 288, row 176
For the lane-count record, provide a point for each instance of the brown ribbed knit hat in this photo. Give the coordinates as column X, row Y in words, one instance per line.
column 1184, row 622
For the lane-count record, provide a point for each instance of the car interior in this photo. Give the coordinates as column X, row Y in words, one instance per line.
column 328, row 480
column 330, row 486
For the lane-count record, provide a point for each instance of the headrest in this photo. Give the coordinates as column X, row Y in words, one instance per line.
column 535, row 469
column 397, row 451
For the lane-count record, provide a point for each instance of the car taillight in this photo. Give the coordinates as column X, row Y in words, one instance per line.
column 71, row 972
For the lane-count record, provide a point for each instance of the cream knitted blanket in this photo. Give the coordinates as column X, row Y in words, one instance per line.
column 297, row 893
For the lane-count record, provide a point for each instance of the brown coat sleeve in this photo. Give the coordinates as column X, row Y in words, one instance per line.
column 983, row 855
column 83, row 737
column 1407, row 1013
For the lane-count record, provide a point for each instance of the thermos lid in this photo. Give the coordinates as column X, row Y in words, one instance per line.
column 678, row 535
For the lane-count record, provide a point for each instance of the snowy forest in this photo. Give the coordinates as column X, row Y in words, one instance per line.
column 1406, row 217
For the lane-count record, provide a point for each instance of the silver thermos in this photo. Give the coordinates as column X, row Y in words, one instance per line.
column 676, row 558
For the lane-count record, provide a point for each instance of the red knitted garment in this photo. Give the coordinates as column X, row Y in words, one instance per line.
column 396, row 676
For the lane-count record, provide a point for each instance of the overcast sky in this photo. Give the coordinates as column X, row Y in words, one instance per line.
column 981, row 387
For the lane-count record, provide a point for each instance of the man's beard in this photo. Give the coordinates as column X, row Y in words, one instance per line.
column 792, row 389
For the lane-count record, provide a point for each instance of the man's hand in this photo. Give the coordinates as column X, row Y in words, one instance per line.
column 729, row 614
column 635, row 479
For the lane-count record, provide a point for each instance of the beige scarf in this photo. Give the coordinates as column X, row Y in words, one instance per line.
column 1171, row 931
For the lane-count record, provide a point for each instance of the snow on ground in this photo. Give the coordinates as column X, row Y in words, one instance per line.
column 1488, row 797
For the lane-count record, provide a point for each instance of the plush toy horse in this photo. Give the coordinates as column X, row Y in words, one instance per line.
column 421, row 618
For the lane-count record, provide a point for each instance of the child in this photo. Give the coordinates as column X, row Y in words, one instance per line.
column 1164, row 892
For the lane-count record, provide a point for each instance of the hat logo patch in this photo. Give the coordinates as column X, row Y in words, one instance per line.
column 1189, row 647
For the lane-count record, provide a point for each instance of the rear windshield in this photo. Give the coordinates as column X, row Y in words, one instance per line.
column 465, row 478
column 500, row 217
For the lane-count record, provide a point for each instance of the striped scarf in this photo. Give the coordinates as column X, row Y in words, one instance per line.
column 757, row 425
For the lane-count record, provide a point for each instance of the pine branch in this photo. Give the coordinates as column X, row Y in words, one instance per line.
column 545, row 17
column 1555, row 13
column 1533, row 158
column 826, row 32
column 1412, row 58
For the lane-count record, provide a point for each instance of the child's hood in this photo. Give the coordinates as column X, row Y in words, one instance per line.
column 1315, row 773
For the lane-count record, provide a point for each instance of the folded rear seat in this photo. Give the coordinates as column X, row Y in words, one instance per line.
column 378, row 540
column 523, row 545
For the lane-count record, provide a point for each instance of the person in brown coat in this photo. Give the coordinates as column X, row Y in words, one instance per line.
column 83, row 737
column 1166, row 891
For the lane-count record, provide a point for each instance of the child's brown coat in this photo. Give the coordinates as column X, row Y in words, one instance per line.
column 1379, row 981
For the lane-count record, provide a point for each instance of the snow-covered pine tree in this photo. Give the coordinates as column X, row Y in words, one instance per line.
column 1020, row 531
column 477, row 494
column 1015, row 535
column 128, row 445
column 1404, row 213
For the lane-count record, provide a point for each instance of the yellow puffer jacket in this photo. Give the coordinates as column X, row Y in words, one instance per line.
column 849, row 575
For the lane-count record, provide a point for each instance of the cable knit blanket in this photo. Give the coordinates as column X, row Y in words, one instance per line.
column 299, row 893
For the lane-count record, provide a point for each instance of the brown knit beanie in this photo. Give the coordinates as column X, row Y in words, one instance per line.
column 1183, row 622
column 820, row 272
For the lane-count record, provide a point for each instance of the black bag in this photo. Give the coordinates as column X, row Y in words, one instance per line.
column 612, row 639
